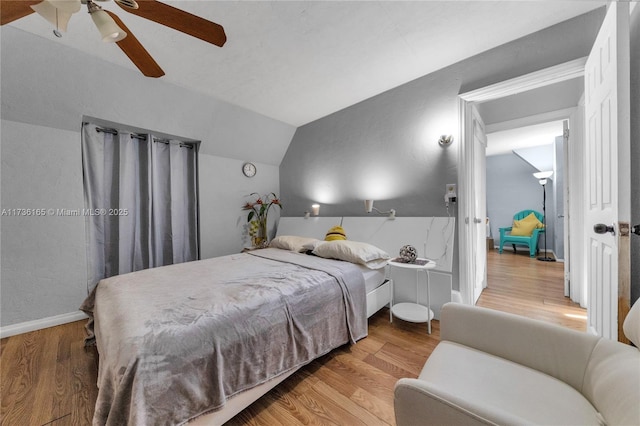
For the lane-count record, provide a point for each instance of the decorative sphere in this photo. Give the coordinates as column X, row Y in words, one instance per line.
column 408, row 254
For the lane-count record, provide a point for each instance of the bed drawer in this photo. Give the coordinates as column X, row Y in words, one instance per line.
column 378, row 298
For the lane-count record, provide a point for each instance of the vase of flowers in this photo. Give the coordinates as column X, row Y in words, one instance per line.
column 257, row 217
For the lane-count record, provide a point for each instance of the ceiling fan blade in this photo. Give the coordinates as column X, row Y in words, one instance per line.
column 179, row 20
column 136, row 52
column 12, row 10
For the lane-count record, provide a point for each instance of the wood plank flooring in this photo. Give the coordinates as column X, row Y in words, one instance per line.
column 529, row 287
column 49, row 378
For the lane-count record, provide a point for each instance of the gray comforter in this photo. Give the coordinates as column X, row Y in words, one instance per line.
column 175, row 342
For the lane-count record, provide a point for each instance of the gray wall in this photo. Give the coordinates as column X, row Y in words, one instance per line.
column 511, row 188
column 635, row 151
column 43, row 263
column 44, row 99
column 386, row 147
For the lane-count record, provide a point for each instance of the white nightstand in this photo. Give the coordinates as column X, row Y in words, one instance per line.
column 413, row 312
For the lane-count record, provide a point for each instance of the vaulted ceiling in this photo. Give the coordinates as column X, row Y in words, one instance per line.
column 299, row 61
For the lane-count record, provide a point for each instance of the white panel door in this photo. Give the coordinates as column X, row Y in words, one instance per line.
column 564, row 188
column 479, row 228
column 606, row 115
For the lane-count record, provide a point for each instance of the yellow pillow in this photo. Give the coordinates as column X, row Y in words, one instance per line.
column 532, row 218
column 522, row 228
column 335, row 233
column 525, row 227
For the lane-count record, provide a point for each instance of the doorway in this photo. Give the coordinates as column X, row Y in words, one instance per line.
column 604, row 203
column 505, row 93
column 513, row 156
column 532, row 288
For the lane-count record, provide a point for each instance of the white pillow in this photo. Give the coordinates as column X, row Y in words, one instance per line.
column 311, row 245
column 291, row 242
column 353, row 251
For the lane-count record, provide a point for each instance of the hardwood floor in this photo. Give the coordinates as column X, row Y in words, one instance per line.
column 525, row 286
column 48, row 377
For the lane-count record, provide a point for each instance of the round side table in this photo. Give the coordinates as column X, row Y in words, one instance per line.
column 413, row 312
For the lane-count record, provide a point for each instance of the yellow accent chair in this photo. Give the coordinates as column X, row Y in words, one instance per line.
column 525, row 230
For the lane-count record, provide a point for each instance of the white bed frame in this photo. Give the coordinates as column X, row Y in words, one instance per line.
column 433, row 237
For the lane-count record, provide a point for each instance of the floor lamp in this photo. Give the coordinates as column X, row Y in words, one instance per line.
column 542, row 179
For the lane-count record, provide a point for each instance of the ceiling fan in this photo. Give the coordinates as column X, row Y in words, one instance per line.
column 112, row 29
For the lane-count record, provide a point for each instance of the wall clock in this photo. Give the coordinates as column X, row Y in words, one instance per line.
column 249, row 169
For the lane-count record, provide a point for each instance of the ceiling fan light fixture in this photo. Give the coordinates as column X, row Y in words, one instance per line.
column 109, row 30
column 58, row 16
column 131, row 4
column 68, row 6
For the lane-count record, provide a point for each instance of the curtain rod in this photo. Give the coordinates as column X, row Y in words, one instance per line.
column 110, row 131
column 143, row 137
column 167, row 142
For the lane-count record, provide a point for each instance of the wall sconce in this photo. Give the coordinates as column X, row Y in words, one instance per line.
column 315, row 208
column 368, row 206
column 445, row 140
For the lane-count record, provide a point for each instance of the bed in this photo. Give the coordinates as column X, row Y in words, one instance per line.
column 200, row 341
column 169, row 338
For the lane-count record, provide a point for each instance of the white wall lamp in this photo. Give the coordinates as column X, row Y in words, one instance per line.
column 445, row 140
column 368, row 205
column 315, row 208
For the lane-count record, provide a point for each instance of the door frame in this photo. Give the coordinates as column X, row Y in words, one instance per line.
column 555, row 74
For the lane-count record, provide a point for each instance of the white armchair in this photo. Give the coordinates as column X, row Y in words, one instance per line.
column 497, row 368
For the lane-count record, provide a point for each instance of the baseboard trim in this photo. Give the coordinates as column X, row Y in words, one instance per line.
column 39, row 324
column 509, row 249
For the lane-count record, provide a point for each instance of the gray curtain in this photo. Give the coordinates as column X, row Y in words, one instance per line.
column 140, row 199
